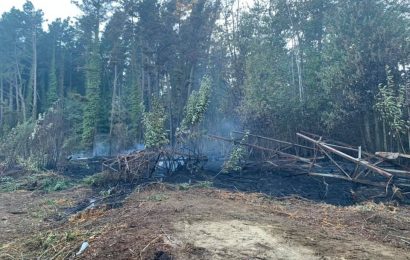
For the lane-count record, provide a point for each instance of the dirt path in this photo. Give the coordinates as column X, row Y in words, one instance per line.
column 236, row 239
column 25, row 212
column 167, row 222
column 212, row 224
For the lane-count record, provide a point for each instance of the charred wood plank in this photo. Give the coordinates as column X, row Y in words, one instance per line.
column 364, row 163
column 335, row 163
column 392, row 156
column 336, row 176
column 340, row 145
column 398, row 173
column 276, row 140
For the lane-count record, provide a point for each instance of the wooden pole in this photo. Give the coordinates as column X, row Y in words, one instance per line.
column 366, row 164
column 377, row 184
column 261, row 148
column 275, row 140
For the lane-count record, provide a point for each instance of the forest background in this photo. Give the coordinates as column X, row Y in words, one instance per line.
column 149, row 71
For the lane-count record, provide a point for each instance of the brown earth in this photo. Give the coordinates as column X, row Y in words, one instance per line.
column 167, row 222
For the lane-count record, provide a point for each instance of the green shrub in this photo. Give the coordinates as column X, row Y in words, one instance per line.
column 155, row 135
column 237, row 157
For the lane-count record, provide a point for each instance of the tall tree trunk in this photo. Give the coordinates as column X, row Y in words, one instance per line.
column 1, row 101
column 142, row 79
column 35, row 94
column 149, row 94
column 191, row 81
column 70, row 74
column 11, row 97
column 52, row 93
column 61, row 92
column 19, row 93
column 157, row 82
column 384, row 136
column 377, row 133
column 170, row 101
column 367, row 131
column 408, row 131
column 16, row 95
column 113, row 99
column 23, row 105
column 113, row 105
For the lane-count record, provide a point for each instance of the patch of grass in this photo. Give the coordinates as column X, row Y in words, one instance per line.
column 51, row 202
column 8, row 184
column 42, row 241
column 45, row 181
column 203, row 184
column 106, row 193
column 71, row 235
column 55, row 184
column 89, row 180
column 46, row 244
column 200, row 184
column 102, row 179
column 184, row 186
column 49, row 240
column 370, row 206
column 157, row 197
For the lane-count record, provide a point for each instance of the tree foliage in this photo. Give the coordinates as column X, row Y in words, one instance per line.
column 197, row 105
column 155, row 135
column 277, row 67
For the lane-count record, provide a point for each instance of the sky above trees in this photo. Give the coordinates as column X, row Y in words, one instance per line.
column 61, row 8
column 52, row 8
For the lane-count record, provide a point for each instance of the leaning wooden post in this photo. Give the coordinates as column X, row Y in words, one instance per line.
column 360, row 153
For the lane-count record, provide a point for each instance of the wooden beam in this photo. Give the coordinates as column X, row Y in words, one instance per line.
column 339, row 145
column 366, row 164
column 377, row 184
column 287, row 155
column 392, row 156
column 398, row 173
column 275, row 140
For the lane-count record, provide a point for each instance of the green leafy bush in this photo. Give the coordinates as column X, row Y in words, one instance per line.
column 197, row 105
column 237, row 156
column 155, row 135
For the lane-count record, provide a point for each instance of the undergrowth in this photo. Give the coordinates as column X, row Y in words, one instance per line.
column 46, row 182
column 200, row 185
column 102, row 179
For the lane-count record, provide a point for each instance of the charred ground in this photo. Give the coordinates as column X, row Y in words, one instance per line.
column 257, row 214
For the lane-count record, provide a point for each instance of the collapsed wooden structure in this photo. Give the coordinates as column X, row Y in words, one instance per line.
column 133, row 166
column 151, row 163
column 311, row 155
column 318, row 157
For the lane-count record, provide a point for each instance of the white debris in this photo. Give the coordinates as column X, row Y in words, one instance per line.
column 83, row 247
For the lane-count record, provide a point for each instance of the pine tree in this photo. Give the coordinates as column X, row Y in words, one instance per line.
column 52, row 94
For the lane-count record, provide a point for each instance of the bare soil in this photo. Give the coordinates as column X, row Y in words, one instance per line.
column 164, row 221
